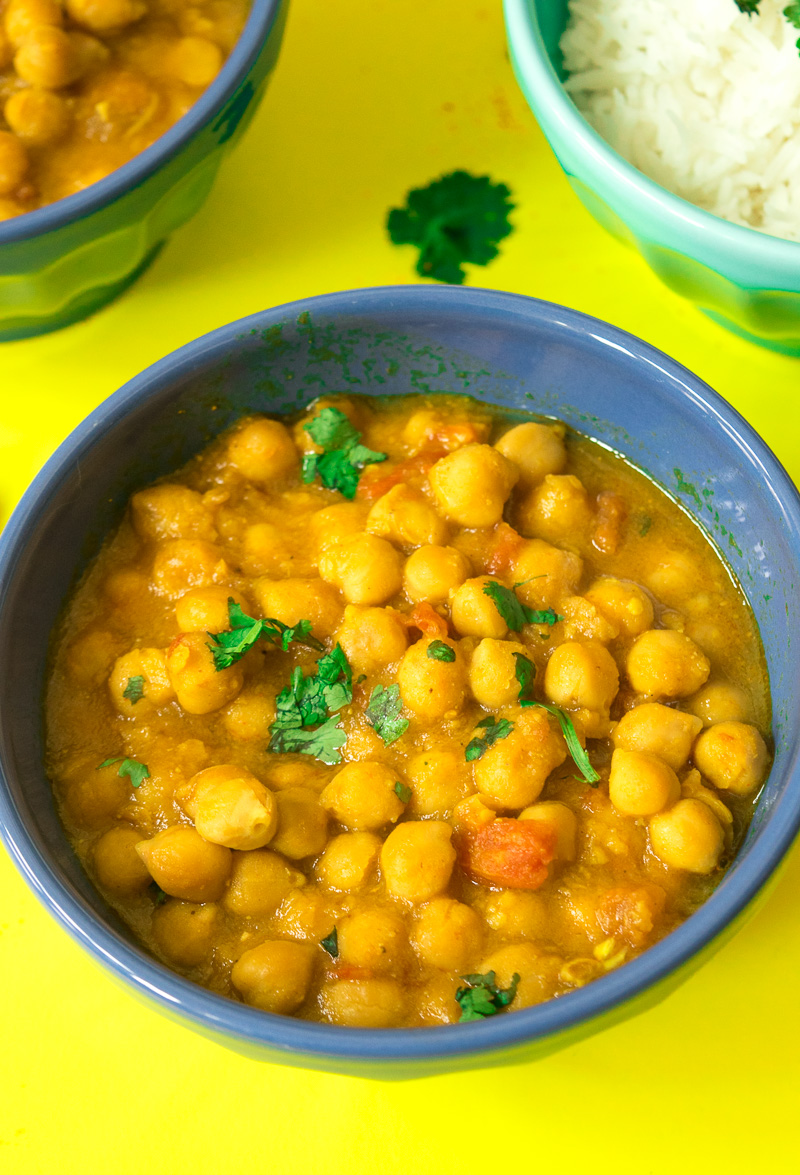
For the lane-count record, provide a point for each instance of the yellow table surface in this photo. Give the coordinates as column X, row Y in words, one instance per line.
column 372, row 97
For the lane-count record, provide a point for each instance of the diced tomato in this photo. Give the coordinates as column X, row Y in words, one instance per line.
column 509, row 853
column 631, row 914
column 453, row 436
column 350, row 971
column 505, row 549
column 427, row 620
column 612, row 510
column 375, row 485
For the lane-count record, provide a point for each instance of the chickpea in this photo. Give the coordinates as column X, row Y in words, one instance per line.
column 438, row 780
column 675, row 578
column 366, row 569
column 432, row 573
column 372, row 638
column 260, row 881
column 184, row 931
column 23, row 17
column 94, row 799
column 427, row 425
column 515, row 913
column 230, row 807
column 156, row 689
column 13, row 163
column 302, row 824
column 263, row 451
column 249, row 717
column 265, row 550
column 492, row 673
column 436, row 1001
column 349, row 860
column 47, row 58
column 687, row 836
column 118, row 866
column 91, row 656
column 658, row 730
column 536, row 450
column 293, row 600
column 558, row 511
column 447, row 934
column 720, row 701
column 363, row 1003
column 104, row 15
column 472, row 484
column 304, row 914
column 512, row 773
column 195, row 61
column 181, row 564
column 472, row 813
column 340, row 521
column 275, row 976
column 37, row 117
column 560, row 817
column 403, row 516
column 200, row 688
column 186, row 866
column 666, row 664
column 90, row 53
column 417, row 859
column 205, row 609
column 581, row 676
column 537, row 972
column 432, row 688
column 545, row 573
column 362, row 796
column 170, row 511
column 126, row 587
column 732, row 756
column 624, row 604
column 374, row 939
column 641, row 784
column 473, row 612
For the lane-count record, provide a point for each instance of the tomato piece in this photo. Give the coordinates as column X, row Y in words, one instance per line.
column 427, row 620
column 370, row 488
column 350, row 971
column 612, row 510
column 513, row 854
column 631, row 914
column 453, row 436
column 505, row 549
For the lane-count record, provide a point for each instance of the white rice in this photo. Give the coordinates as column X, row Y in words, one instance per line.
column 699, row 96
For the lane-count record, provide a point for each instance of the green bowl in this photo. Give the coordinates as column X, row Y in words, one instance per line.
column 745, row 280
column 63, row 262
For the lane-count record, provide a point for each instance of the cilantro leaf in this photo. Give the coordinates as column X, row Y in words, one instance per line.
column 440, row 651
column 383, row 712
column 647, row 522
column 457, row 218
column 482, row 997
column 748, row 6
column 339, row 465
column 403, row 792
column 245, row 632
column 513, row 611
column 524, row 673
column 792, row 14
column 307, row 702
column 134, row 690
column 324, row 742
column 331, row 943
column 496, row 728
column 137, row 772
column 159, row 896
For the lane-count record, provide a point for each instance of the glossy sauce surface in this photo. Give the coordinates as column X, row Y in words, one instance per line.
column 233, row 862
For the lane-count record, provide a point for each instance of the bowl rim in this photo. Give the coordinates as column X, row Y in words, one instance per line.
column 130, row 175
column 531, row 57
column 246, row 1026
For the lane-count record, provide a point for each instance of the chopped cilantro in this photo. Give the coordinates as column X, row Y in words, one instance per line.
column 134, row 690
column 496, row 728
column 525, row 674
column 383, row 712
column 482, row 997
column 440, row 651
column 324, row 742
column 792, row 14
column 513, row 611
column 331, row 943
column 748, row 6
column 647, row 522
column 307, row 702
column 245, row 632
column 159, row 897
column 455, row 219
column 403, row 792
column 339, row 465
column 137, row 772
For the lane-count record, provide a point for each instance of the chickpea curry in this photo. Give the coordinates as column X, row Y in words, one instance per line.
column 85, row 85
column 405, row 712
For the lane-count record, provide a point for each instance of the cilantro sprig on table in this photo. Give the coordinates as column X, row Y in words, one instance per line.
column 482, row 997
column 340, row 463
column 245, row 633
column 525, row 674
column 137, row 772
column 513, row 611
column 456, row 219
column 306, row 720
column 494, row 729
column 383, row 713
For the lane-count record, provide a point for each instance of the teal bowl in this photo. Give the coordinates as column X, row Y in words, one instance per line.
column 64, row 261
column 745, row 280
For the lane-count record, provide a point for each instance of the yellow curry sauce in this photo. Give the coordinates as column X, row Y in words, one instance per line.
column 343, row 828
column 87, row 84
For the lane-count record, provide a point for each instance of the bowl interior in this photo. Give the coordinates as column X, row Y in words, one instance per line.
column 509, row 350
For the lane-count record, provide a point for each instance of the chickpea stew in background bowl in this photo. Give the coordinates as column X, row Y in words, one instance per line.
column 115, row 116
column 484, row 721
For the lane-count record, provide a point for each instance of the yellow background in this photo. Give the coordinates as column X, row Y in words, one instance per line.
column 372, row 97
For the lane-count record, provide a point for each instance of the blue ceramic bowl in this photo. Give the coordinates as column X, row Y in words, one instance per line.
column 743, row 279
column 63, row 262
column 508, row 350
